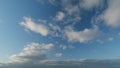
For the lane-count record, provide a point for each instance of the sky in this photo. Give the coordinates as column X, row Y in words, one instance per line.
column 35, row 32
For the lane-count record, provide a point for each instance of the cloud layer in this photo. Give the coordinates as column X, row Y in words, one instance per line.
column 34, row 55
column 68, row 64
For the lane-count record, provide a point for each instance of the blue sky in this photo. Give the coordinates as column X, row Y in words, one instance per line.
column 59, row 29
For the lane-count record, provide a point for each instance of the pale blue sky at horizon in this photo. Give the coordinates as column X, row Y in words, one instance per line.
column 59, row 29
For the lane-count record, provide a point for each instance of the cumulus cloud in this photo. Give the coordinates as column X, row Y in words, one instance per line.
column 82, row 36
column 58, row 55
column 33, row 52
column 60, row 16
column 111, row 15
column 29, row 24
column 88, row 4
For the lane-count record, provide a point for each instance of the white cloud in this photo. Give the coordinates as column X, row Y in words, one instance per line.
column 111, row 15
column 69, row 13
column 58, row 55
column 110, row 38
column 68, row 6
column 82, row 36
column 63, row 47
column 28, row 23
column 99, row 41
column 55, row 30
column 119, row 34
column 71, row 10
column 60, row 16
column 88, row 4
column 33, row 52
column 55, row 27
